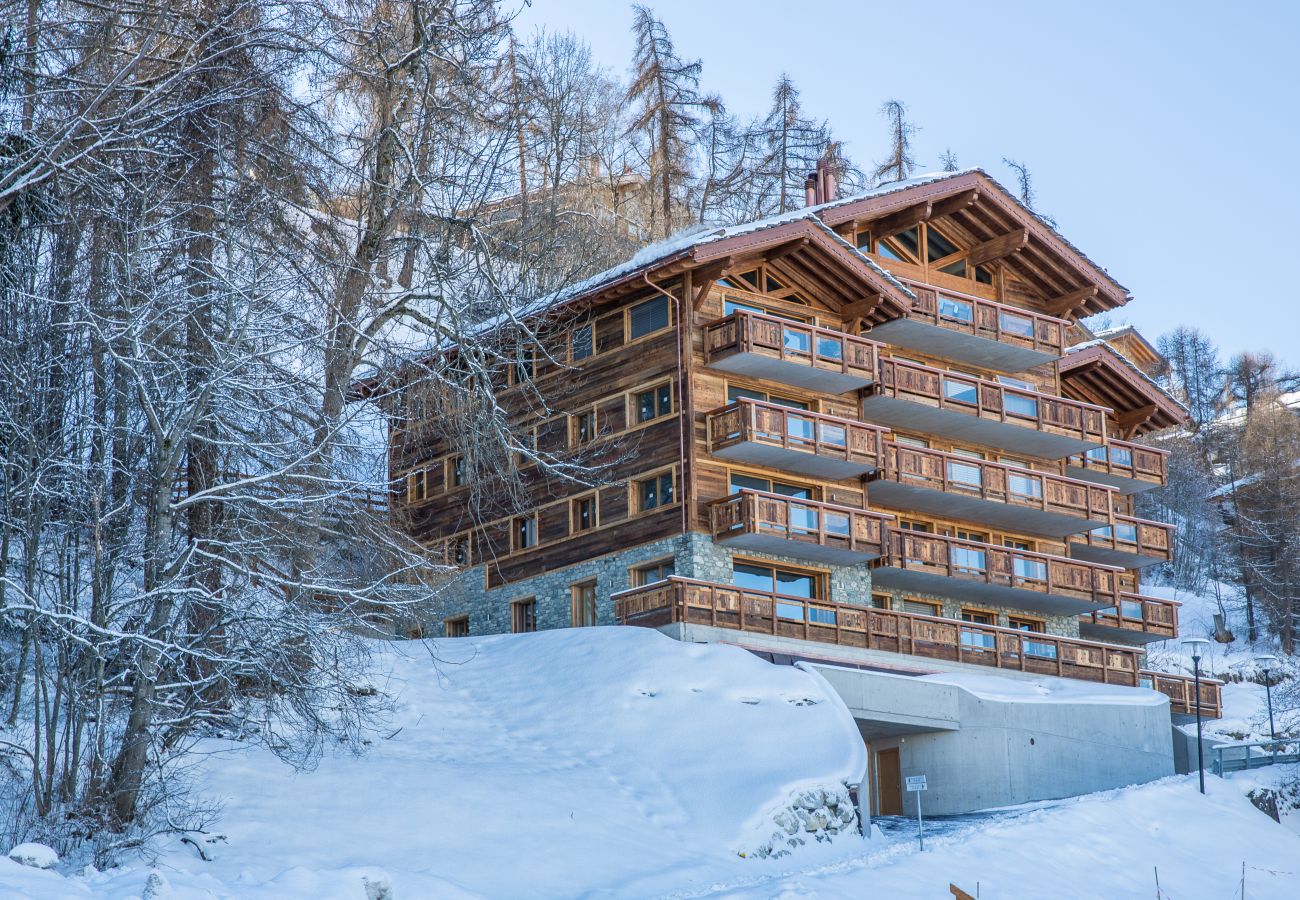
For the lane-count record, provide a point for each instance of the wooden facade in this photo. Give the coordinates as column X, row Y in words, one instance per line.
column 879, row 384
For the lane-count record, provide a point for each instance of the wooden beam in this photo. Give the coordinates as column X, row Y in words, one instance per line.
column 956, row 203
column 862, row 309
column 707, row 276
column 1062, row 305
column 1134, row 417
column 999, row 247
column 901, row 220
column 786, row 249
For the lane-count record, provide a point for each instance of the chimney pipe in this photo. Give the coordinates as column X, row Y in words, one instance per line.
column 811, row 190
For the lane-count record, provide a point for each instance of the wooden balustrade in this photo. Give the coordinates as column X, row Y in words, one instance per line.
column 822, row 525
column 1181, row 691
column 991, row 400
column 984, row 318
column 1135, row 612
column 995, row 482
column 1154, row 541
column 1125, row 461
column 1005, row 567
column 788, row 341
column 724, row 606
column 771, row 425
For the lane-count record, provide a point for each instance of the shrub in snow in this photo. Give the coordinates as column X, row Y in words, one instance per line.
column 818, row 813
column 38, row 856
column 379, row 888
column 156, row 887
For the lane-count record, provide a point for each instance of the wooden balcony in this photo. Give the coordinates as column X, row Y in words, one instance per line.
column 1181, row 691
column 802, row 529
column 1003, row 496
column 1134, row 619
column 1129, row 468
column 794, row 353
column 1129, row 543
column 724, row 606
column 768, row 434
column 914, row 397
column 973, row 330
column 974, row 571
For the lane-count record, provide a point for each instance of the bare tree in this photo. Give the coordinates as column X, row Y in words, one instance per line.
column 898, row 165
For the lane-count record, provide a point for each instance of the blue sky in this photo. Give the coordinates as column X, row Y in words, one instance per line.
column 1161, row 135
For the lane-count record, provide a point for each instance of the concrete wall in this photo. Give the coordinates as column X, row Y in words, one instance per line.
column 1006, row 753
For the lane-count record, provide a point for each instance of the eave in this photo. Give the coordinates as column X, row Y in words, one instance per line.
column 1097, row 374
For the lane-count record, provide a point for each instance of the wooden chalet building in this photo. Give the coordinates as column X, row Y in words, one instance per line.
column 868, row 426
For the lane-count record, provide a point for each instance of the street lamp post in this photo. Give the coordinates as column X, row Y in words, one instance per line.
column 1266, row 662
column 1197, row 647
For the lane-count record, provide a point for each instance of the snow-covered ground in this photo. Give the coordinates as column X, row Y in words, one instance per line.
column 615, row 762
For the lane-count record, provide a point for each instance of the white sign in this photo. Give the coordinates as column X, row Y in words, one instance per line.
column 915, row 782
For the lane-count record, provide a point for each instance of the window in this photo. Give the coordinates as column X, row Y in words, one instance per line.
column 1019, row 404
column 880, row 601
column 978, row 640
column 1031, row 569
column 523, row 615
column 654, row 402
column 417, row 484
column 920, row 607
column 863, row 240
column 1126, row 532
column 911, row 442
column 969, row 559
column 655, row 491
column 524, row 366
column 582, row 343
column 583, row 604
column 730, row 306
column 965, row 474
column 582, row 514
column 937, row 246
column 957, row 268
column 456, row 627
column 1131, row 609
column 455, row 474
column 739, row 393
column 741, row 482
column 649, row 573
column 1041, row 649
column 523, row 532
column 527, row 441
column 582, row 428
column 774, row 580
column 455, row 550
column 904, row 246
column 647, row 317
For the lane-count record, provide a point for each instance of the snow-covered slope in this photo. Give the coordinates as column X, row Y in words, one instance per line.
column 615, row 762
column 526, row 766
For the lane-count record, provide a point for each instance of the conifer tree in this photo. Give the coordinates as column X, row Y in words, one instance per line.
column 900, row 162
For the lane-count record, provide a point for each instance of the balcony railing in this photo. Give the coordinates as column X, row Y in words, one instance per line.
column 999, row 494
column 805, row 529
column 919, row 397
column 809, row 443
column 1130, row 468
column 1135, row 617
column 1130, row 543
column 777, row 349
column 972, row 329
column 951, row 567
column 724, row 606
column 1181, row 691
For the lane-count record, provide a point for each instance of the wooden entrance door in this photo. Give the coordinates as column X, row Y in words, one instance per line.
column 889, row 783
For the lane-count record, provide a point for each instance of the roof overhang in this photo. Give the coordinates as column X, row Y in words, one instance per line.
column 1098, row 374
column 1074, row 285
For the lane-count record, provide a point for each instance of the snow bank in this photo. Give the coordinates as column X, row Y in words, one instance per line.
column 1046, row 690
column 525, row 765
column 38, row 856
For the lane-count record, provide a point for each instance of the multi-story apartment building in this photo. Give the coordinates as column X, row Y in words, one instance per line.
column 869, row 431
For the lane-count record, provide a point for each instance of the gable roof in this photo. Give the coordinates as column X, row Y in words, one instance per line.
column 1048, row 260
column 1095, row 372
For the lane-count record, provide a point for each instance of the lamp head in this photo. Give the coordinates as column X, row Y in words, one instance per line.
column 1196, row 646
column 1266, row 661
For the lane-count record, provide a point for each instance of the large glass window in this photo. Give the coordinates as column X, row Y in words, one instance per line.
column 771, row 579
column 647, row 317
column 735, row 393
column 651, row 572
column 1018, row 325
column 581, row 343
column 938, row 246
column 740, row 482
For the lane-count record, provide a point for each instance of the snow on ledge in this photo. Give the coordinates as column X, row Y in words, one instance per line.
column 1046, row 690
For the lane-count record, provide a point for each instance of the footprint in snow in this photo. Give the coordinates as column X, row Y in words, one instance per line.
column 645, row 693
column 802, row 701
column 749, row 701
